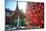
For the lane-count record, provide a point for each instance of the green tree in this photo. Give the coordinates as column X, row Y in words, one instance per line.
column 23, row 22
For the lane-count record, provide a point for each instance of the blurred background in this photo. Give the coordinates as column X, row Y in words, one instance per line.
column 23, row 15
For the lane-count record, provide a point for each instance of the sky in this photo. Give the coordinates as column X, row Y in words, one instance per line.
column 11, row 4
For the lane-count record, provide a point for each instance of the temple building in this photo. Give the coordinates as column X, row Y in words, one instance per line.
column 17, row 13
column 14, row 15
column 8, row 14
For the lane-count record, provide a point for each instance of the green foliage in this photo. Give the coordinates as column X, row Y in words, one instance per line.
column 23, row 22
